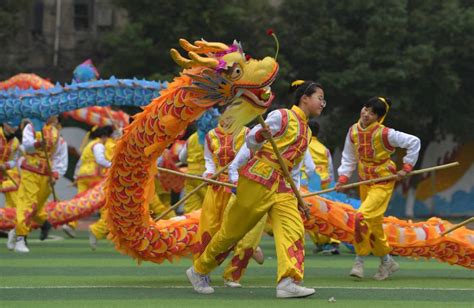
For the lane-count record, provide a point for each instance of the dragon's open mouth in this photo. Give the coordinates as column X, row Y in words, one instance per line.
column 261, row 96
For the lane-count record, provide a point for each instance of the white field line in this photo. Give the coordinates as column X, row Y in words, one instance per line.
column 245, row 287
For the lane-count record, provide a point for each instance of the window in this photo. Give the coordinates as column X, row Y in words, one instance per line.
column 82, row 12
column 38, row 8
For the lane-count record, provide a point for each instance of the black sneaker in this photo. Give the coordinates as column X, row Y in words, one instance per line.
column 45, row 230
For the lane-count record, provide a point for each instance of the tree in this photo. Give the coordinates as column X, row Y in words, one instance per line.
column 418, row 53
column 156, row 27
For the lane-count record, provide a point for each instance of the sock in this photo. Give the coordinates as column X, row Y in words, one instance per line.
column 386, row 258
column 20, row 238
column 359, row 259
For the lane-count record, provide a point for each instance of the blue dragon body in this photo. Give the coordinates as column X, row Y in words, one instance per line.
column 18, row 104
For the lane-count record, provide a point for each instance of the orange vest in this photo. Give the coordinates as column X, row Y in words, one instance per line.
column 224, row 147
column 89, row 167
column 195, row 155
column 373, row 151
column 7, row 151
column 36, row 162
column 292, row 141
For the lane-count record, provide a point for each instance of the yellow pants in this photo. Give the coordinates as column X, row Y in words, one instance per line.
column 253, row 202
column 100, row 228
column 215, row 206
column 32, row 195
column 11, row 199
column 369, row 236
column 319, row 239
column 195, row 201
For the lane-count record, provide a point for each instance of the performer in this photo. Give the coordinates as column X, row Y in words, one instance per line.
column 319, row 161
column 193, row 155
column 369, row 145
column 219, row 150
column 9, row 175
column 92, row 165
column 263, row 189
column 103, row 150
column 39, row 143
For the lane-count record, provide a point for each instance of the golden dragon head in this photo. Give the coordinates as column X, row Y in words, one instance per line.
column 223, row 75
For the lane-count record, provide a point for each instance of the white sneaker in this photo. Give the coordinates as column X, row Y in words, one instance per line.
column 20, row 245
column 386, row 269
column 69, row 230
column 357, row 270
column 287, row 288
column 11, row 239
column 232, row 284
column 200, row 282
column 92, row 240
column 258, row 255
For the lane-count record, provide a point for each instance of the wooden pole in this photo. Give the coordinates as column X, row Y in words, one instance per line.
column 382, row 179
column 10, row 178
column 50, row 170
column 196, row 177
column 462, row 224
column 188, row 195
column 301, row 204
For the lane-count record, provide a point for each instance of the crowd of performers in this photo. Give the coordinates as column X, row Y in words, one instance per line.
column 34, row 156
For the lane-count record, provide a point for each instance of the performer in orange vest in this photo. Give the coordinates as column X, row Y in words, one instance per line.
column 219, row 150
column 193, row 155
column 262, row 189
column 319, row 161
column 368, row 146
column 9, row 175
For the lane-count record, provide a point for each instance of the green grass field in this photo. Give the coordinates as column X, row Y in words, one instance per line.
column 66, row 273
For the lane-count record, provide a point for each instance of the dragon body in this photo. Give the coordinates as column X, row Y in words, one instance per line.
column 43, row 103
column 220, row 74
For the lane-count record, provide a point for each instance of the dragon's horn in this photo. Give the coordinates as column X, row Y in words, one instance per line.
column 211, row 46
column 197, row 59
column 179, row 59
column 188, row 46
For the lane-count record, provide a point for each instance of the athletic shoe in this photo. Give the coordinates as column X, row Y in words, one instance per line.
column 45, row 230
column 232, row 284
column 11, row 239
column 20, row 245
column 329, row 250
column 258, row 255
column 357, row 270
column 92, row 240
column 287, row 288
column 386, row 269
column 200, row 282
column 69, row 230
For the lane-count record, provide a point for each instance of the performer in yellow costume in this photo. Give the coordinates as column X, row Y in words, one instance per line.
column 263, row 189
column 369, row 146
column 9, row 175
column 219, row 150
column 319, row 160
column 92, row 165
column 40, row 144
column 193, row 155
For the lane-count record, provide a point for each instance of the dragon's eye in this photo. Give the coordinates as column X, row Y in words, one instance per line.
column 236, row 72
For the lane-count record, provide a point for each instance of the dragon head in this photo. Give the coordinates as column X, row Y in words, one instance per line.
column 223, row 75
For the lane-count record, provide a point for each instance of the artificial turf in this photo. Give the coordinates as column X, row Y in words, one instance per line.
column 66, row 273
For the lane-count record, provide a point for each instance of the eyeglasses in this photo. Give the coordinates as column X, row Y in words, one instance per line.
column 320, row 98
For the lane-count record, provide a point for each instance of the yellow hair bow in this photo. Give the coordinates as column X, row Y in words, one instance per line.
column 297, row 83
column 386, row 112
